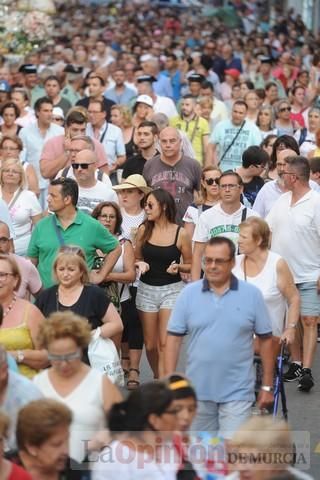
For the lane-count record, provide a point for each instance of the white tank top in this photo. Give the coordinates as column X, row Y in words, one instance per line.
column 266, row 281
column 118, row 268
column 86, row 404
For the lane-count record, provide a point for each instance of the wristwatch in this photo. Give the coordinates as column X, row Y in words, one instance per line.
column 20, row 356
column 266, row 388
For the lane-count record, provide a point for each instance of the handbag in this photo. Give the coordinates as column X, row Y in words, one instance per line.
column 103, row 356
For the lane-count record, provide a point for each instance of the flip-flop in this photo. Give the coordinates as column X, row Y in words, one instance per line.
column 133, row 384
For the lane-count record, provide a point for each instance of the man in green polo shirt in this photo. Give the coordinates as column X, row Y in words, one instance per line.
column 69, row 226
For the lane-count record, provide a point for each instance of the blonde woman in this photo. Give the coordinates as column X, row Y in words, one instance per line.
column 122, row 118
column 210, row 195
column 24, row 207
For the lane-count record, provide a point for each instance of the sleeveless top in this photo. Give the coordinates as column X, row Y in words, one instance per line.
column 159, row 259
column 19, row 338
column 266, row 281
column 86, row 404
column 118, row 268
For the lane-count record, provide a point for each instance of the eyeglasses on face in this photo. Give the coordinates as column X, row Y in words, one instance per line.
column 285, row 109
column 9, row 149
column 4, row 275
column 211, row 181
column 217, row 261
column 83, row 166
column 68, row 357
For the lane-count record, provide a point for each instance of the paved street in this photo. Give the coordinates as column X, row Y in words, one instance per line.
column 304, row 409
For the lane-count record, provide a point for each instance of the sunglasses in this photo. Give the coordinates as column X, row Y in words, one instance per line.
column 285, row 109
column 83, row 166
column 211, row 181
column 148, row 205
column 64, row 358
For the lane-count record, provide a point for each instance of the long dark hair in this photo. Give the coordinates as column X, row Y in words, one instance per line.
column 289, row 143
column 168, row 207
column 132, row 415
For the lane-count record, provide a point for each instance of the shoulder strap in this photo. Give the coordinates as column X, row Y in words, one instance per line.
column 100, row 175
column 15, row 198
column 233, row 140
column 303, row 136
column 65, row 172
column 194, row 131
column 244, row 214
column 177, row 235
column 57, row 230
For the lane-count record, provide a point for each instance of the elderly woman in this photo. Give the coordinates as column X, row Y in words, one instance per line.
column 42, row 436
column 11, row 147
column 24, row 207
column 73, row 292
column 270, row 273
column 87, row 392
column 21, row 321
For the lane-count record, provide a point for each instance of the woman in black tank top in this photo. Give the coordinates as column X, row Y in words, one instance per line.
column 160, row 245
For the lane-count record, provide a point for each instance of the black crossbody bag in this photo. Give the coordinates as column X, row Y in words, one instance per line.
column 233, row 140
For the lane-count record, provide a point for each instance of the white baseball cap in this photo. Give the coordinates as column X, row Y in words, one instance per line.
column 145, row 99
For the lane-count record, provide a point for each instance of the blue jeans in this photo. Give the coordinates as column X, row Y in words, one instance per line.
column 221, row 419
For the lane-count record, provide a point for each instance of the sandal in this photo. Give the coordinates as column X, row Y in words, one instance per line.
column 133, row 384
column 125, row 370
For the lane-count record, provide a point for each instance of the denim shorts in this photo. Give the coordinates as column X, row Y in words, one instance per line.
column 152, row 298
column 310, row 299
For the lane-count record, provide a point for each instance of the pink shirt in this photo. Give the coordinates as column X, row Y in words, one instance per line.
column 55, row 147
column 30, row 278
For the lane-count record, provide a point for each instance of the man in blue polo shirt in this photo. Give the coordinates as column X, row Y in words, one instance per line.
column 220, row 314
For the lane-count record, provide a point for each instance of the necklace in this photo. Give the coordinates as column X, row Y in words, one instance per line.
column 10, row 307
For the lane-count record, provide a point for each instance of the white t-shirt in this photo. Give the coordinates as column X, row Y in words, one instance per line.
column 296, row 234
column 215, row 222
column 21, row 211
column 118, row 461
column 89, row 198
column 165, row 105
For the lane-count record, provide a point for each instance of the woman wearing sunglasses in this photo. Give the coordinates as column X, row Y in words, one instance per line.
column 209, row 196
column 284, row 124
column 161, row 244
column 87, row 392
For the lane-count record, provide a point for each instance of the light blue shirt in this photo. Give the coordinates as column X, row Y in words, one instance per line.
column 220, row 332
column 33, row 142
column 124, row 99
column 163, row 87
column 112, row 140
column 223, row 135
column 5, row 217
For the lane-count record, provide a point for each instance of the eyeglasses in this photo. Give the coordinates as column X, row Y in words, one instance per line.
column 9, row 149
column 229, row 186
column 83, row 166
column 148, row 205
column 285, row 109
column 107, row 217
column 217, row 261
column 64, row 358
column 4, row 275
column 4, row 239
column 9, row 170
column 211, row 181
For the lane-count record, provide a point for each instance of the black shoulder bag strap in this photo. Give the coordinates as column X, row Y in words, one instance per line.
column 57, row 230
column 233, row 140
column 243, row 217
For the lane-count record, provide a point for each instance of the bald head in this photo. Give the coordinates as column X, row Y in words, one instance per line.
column 283, row 154
column 170, row 141
column 86, row 156
column 4, row 234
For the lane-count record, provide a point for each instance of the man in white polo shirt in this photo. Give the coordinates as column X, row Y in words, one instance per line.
column 295, row 224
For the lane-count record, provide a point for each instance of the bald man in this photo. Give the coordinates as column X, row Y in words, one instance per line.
column 91, row 191
column 173, row 171
column 271, row 191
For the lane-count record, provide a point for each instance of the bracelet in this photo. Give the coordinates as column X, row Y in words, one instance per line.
column 266, row 388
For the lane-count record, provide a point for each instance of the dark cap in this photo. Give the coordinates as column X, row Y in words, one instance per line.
column 28, row 68
column 265, row 59
column 196, row 77
column 73, row 69
column 146, row 78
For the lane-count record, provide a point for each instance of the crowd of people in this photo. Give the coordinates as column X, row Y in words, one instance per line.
column 159, row 179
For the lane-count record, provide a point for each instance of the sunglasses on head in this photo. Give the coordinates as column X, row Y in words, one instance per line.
column 83, row 166
column 211, row 181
